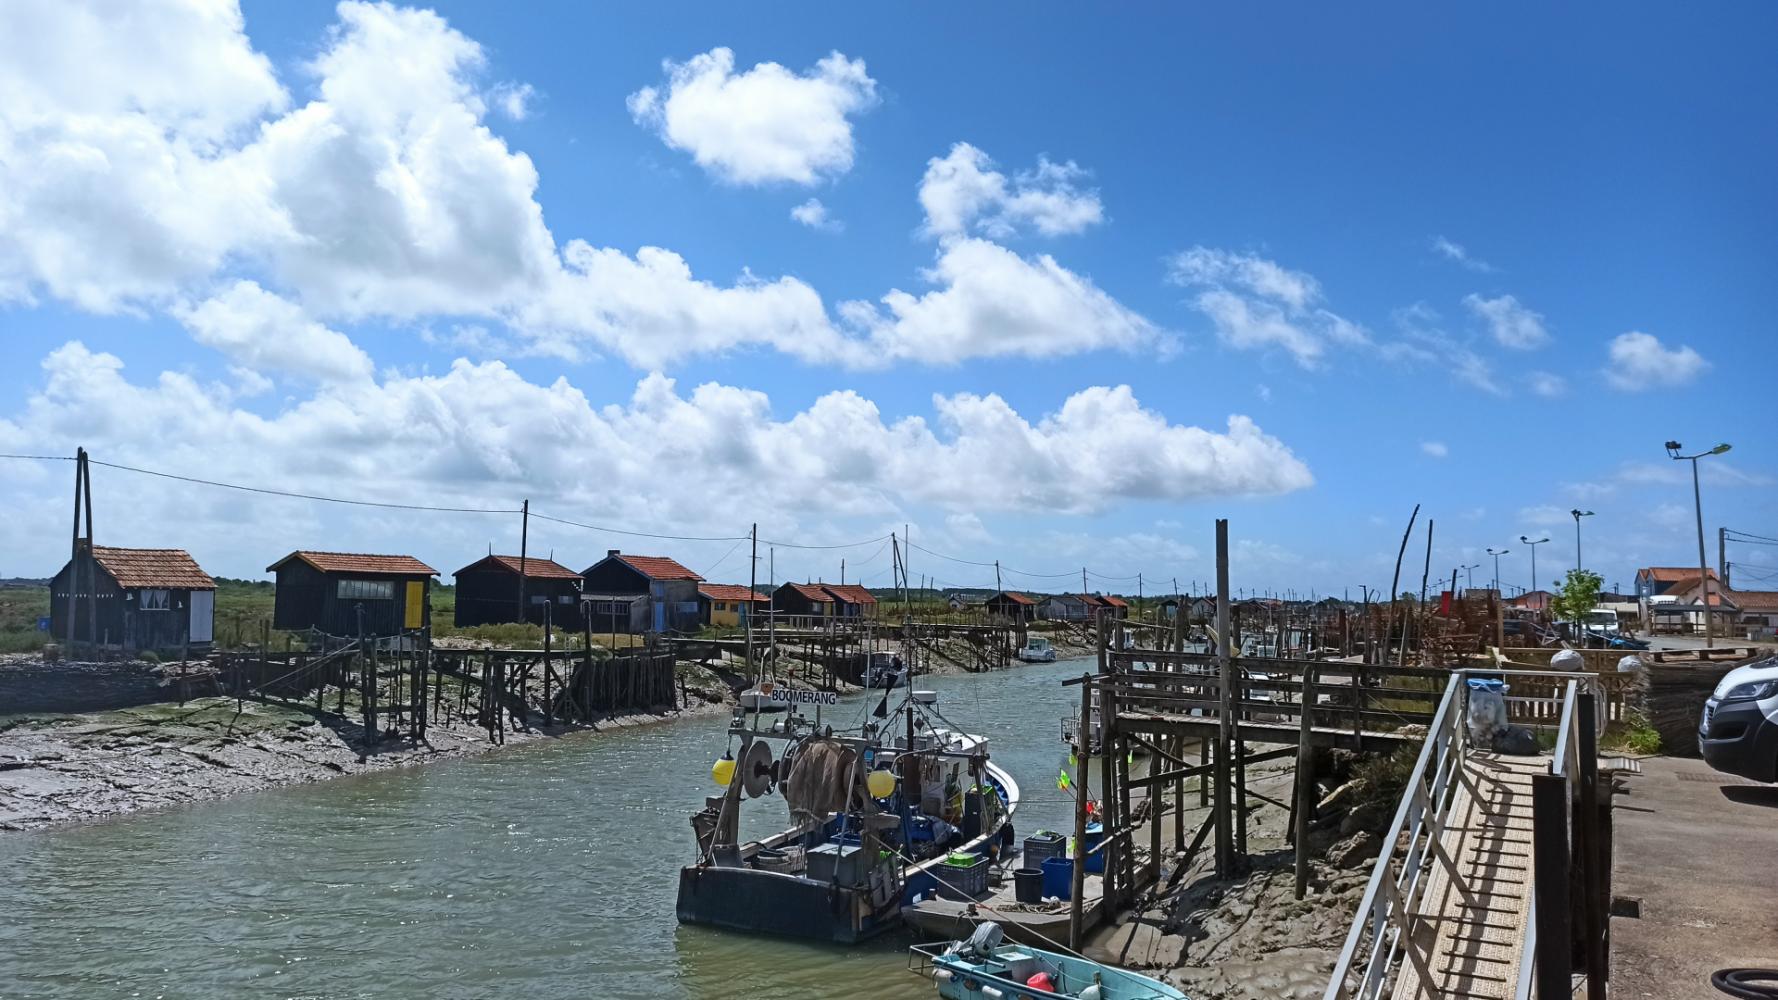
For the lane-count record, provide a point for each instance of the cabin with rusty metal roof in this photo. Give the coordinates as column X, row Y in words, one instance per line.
column 638, row 594
column 134, row 600
column 488, row 592
column 351, row 593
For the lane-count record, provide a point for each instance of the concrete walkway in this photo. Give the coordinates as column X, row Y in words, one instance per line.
column 1700, row 850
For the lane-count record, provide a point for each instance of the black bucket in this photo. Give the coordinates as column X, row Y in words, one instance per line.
column 1028, row 885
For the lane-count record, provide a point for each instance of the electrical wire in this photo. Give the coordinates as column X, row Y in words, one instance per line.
column 638, row 534
column 301, row 496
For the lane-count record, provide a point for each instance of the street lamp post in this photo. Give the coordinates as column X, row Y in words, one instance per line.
column 1534, row 544
column 1578, row 514
column 1497, row 553
column 1673, row 449
column 1468, row 577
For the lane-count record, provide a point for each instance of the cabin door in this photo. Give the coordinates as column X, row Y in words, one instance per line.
column 203, row 613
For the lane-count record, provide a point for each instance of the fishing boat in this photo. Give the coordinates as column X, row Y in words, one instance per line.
column 985, row 968
column 884, row 670
column 1036, row 649
column 896, row 808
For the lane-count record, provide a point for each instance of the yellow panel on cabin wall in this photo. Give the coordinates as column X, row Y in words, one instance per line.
column 416, row 604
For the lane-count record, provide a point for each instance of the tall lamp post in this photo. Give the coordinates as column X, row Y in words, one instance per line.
column 1578, row 514
column 1673, row 452
column 1497, row 553
column 1468, row 577
column 1534, row 544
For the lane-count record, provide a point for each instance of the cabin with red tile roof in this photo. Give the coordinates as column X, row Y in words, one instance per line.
column 803, row 600
column 638, row 594
column 134, row 600
column 728, row 605
column 851, row 600
column 351, row 593
column 1011, row 605
column 488, row 592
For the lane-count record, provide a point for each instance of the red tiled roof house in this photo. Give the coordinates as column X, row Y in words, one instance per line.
column 488, row 592
column 638, row 594
column 134, row 600
column 1011, row 605
column 727, row 605
column 344, row 593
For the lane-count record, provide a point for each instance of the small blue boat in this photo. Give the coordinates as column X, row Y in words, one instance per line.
column 984, row 968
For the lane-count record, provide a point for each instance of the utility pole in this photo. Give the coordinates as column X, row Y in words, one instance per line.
column 1083, row 581
column 1722, row 557
column 997, row 585
column 524, row 544
column 842, row 572
column 752, row 589
column 1224, row 827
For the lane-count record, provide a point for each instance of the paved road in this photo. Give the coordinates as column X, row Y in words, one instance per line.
column 1700, row 849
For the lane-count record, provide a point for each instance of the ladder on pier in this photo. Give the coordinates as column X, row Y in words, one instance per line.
column 1450, row 911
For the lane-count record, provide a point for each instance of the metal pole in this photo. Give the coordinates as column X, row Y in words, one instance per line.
column 524, row 544
column 1703, row 569
column 752, row 582
column 1081, row 751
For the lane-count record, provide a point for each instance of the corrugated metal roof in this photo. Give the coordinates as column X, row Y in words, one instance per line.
column 169, row 569
column 729, row 592
column 535, row 568
column 358, row 562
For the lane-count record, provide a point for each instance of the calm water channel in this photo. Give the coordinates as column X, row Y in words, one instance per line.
column 544, row 871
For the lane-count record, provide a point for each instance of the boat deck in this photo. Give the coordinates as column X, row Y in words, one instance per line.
column 1044, row 925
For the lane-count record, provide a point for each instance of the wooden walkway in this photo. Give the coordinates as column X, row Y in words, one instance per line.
column 1469, row 931
column 1280, row 733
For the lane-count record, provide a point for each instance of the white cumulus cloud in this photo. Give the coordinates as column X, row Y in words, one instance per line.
column 1511, row 324
column 1436, row 449
column 1638, row 361
column 262, row 332
column 1546, row 384
column 1454, row 251
column 813, row 214
column 962, row 192
column 764, row 125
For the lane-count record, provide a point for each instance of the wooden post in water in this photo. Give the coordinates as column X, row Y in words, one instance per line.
column 1081, row 756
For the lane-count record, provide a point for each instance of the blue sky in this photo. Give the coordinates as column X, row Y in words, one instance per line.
column 1412, row 242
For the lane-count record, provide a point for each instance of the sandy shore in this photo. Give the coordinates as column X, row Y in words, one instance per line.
column 78, row 768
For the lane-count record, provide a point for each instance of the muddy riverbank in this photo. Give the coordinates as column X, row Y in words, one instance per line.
column 72, row 768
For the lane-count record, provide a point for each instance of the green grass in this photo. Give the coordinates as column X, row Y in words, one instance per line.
column 1633, row 735
column 20, row 607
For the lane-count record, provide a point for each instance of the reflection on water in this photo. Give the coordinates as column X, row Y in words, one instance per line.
column 546, row 870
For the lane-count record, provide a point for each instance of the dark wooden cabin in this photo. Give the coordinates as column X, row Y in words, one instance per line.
column 803, row 600
column 851, row 600
column 669, row 591
column 488, row 592
column 157, row 600
column 1011, row 605
column 324, row 590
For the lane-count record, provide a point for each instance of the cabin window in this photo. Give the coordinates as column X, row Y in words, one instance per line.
column 154, row 600
column 367, row 590
column 565, row 599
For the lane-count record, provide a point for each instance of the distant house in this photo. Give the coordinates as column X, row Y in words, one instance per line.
column 1533, row 600
column 1203, row 609
column 143, row 599
column 851, row 600
column 1682, row 604
column 669, row 591
column 1070, row 608
column 728, row 605
column 1011, row 605
column 488, row 592
column 326, row 591
column 1655, row 581
column 1119, row 607
column 803, row 600
column 1759, row 608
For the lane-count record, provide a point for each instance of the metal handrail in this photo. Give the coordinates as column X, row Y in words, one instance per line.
column 1391, row 893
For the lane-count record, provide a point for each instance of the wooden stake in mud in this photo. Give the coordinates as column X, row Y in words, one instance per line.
column 1225, row 855
column 1395, row 581
column 1305, row 782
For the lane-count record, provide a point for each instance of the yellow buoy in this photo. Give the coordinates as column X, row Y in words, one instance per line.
column 723, row 771
column 881, row 784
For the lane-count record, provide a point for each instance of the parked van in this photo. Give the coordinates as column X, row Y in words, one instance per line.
column 1739, row 731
